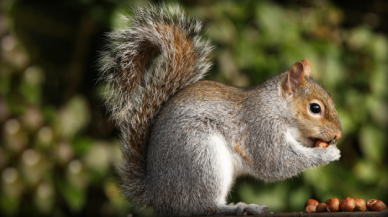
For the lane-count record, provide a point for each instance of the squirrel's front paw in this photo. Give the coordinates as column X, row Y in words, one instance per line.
column 332, row 153
column 250, row 209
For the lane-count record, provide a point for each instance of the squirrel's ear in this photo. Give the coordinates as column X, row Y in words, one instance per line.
column 296, row 76
column 307, row 68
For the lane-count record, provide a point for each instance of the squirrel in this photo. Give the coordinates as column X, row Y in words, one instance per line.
column 185, row 141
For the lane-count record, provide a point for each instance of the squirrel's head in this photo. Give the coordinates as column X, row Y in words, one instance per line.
column 313, row 111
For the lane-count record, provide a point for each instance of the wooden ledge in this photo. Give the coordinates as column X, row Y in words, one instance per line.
column 383, row 213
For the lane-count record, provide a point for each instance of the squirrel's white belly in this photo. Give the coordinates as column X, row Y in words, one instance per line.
column 224, row 162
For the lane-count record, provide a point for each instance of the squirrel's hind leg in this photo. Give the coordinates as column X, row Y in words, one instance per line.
column 189, row 168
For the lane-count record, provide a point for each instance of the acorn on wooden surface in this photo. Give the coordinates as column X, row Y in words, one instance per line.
column 348, row 204
column 311, row 202
column 311, row 208
column 311, row 205
column 375, row 205
column 360, row 205
column 332, row 205
column 321, row 144
column 322, row 207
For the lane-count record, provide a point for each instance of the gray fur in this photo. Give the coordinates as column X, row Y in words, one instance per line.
column 180, row 159
column 175, row 130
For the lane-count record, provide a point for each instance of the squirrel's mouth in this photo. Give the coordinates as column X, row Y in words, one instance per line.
column 311, row 141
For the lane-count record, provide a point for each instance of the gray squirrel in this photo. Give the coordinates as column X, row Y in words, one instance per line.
column 185, row 141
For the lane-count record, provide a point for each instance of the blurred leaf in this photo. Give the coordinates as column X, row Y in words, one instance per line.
column 76, row 175
column 378, row 80
column 319, row 178
column 372, row 143
column 44, row 197
column 359, row 37
column 366, row 171
column 73, row 116
column 297, row 197
column 8, row 204
column 98, row 158
column 74, row 197
column 4, row 83
column 31, row 93
column 380, row 47
column 267, row 196
column 30, row 87
column 271, row 19
column 33, row 76
column 81, row 145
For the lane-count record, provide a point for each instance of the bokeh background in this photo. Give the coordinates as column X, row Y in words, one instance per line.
column 58, row 144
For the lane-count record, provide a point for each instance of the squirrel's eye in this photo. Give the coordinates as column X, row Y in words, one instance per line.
column 315, row 108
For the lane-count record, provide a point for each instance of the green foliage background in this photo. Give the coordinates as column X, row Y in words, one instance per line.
column 58, row 145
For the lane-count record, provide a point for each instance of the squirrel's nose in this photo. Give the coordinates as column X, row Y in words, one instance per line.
column 338, row 135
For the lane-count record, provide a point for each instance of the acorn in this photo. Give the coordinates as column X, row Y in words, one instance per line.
column 347, row 204
column 375, row 205
column 332, row 205
column 360, row 205
column 311, row 208
column 311, row 202
column 322, row 207
column 321, row 144
column 311, row 205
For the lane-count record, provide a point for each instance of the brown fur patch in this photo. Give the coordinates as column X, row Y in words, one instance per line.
column 129, row 80
column 241, row 153
column 184, row 58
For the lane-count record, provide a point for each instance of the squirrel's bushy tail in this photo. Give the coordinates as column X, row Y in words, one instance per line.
column 158, row 54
